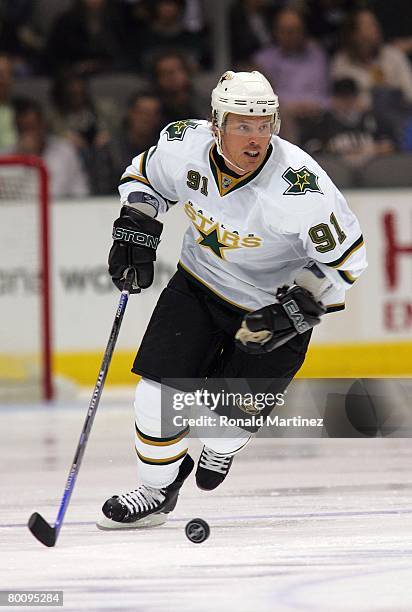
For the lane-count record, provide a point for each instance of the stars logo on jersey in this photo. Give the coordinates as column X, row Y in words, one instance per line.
column 301, row 181
column 217, row 238
column 177, row 130
column 212, row 240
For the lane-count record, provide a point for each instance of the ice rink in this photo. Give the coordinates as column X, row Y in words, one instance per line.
column 311, row 524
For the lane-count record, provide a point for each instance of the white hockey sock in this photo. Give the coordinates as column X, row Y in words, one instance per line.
column 228, row 445
column 229, row 439
column 158, row 457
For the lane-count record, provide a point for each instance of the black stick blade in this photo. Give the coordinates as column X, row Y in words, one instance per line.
column 41, row 530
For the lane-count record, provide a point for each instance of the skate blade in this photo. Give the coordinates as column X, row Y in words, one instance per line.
column 154, row 520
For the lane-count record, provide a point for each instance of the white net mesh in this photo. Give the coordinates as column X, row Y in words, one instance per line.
column 22, row 335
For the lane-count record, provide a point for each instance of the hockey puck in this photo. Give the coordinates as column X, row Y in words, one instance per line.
column 197, row 530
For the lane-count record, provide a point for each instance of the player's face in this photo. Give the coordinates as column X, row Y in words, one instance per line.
column 245, row 140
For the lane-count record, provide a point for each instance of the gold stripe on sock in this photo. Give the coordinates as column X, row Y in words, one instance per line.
column 160, row 441
column 164, row 461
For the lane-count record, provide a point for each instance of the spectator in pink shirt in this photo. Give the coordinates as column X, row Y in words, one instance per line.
column 297, row 69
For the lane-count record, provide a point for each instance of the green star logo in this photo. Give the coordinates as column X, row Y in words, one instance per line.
column 177, row 130
column 211, row 239
column 301, row 181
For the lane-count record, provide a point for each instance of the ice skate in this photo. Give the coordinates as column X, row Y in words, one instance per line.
column 145, row 506
column 212, row 469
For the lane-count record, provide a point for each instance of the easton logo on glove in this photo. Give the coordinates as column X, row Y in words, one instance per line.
column 139, row 238
column 296, row 317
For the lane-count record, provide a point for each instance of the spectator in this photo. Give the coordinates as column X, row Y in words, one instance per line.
column 67, row 178
column 12, row 14
column 75, row 115
column 173, row 85
column 348, row 130
column 297, row 69
column 140, row 130
column 35, row 28
column 194, row 15
column 86, row 38
column 168, row 33
column 325, row 19
column 87, row 124
column 135, row 23
column 249, row 30
column 8, row 135
column 396, row 17
column 365, row 58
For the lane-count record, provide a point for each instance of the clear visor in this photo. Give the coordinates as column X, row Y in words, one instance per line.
column 256, row 127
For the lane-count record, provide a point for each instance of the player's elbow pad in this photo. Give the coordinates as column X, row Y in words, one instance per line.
column 144, row 203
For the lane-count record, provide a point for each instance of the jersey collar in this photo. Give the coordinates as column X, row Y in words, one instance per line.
column 227, row 180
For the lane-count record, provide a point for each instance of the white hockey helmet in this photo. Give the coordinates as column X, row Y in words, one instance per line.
column 244, row 93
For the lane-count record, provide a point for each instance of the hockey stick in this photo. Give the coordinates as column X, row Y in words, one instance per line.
column 39, row 527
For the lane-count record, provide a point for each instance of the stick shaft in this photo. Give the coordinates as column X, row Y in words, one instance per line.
column 94, row 403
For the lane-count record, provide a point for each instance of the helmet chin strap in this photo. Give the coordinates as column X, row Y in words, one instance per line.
column 218, row 140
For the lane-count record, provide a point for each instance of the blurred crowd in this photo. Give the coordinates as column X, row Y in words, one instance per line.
column 88, row 84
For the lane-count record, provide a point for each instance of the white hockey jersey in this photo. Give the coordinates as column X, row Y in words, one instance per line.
column 250, row 235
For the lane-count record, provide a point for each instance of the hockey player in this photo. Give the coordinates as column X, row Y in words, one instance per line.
column 263, row 215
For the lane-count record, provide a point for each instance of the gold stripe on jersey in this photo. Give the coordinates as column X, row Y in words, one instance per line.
column 227, row 180
column 335, row 307
column 347, row 276
column 130, row 178
column 133, row 177
column 165, row 461
column 209, row 288
column 341, row 260
column 143, row 163
column 152, row 441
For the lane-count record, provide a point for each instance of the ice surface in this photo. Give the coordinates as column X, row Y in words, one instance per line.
column 320, row 525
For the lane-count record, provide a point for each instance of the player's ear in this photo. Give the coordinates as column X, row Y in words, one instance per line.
column 215, row 132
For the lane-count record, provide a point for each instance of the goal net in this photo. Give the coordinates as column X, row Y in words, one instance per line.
column 25, row 338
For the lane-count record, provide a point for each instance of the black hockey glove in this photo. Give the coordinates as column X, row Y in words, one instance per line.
column 266, row 329
column 136, row 237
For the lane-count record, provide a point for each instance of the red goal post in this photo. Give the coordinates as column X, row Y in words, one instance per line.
column 24, row 211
